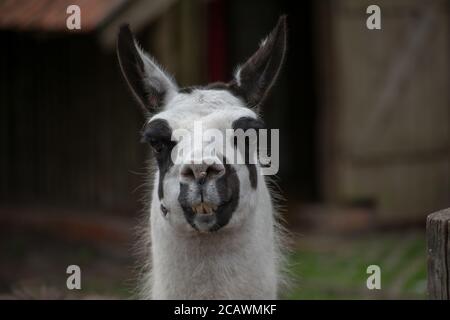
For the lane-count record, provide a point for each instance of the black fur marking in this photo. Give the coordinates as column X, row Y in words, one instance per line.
column 246, row 123
column 211, row 86
column 228, row 189
column 218, row 86
column 253, row 176
column 158, row 132
column 187, row 90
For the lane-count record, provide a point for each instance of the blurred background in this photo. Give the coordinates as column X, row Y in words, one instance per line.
column 364, row 136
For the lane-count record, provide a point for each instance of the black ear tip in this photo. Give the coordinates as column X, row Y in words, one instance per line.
column 280, row 28
column 125, row 39
column 125, row 31
column 282, row 23
column 124, row 27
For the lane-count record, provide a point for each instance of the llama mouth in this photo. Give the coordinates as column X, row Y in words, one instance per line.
column 207, row 208
column 207, row 216
column 204, row 208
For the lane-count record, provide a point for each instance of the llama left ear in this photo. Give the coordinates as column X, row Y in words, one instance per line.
column 150, row 85
column 254, row 79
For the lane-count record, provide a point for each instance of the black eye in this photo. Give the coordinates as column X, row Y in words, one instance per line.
column 158, row 135
column 157, row 145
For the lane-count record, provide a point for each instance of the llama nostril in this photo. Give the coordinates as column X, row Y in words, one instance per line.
column 188, row 172
column 213, row 171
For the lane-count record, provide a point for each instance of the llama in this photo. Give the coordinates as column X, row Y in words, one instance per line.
column 213, row 230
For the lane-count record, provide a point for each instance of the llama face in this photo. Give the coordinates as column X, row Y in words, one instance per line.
column 198, row 190
column 201, row 185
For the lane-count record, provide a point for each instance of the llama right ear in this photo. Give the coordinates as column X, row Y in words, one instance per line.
column 150, row 85
column 254, row 79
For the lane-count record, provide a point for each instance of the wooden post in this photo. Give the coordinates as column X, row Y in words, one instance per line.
column 438, row 245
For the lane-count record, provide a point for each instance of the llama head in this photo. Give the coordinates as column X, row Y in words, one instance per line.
column 200, row 187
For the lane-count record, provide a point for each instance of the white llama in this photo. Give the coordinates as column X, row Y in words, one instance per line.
column 213, row 231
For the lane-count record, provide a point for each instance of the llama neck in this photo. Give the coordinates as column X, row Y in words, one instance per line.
column 225, row 264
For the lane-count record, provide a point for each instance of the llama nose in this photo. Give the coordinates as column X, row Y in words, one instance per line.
column 202, row 172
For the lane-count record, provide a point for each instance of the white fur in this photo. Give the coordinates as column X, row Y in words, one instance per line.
column 237, row 263
column 241, row 260
column 237, row 76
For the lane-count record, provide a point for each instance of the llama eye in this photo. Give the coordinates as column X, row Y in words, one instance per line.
column 157, row 145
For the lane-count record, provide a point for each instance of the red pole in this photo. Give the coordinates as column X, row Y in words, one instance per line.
column 217, row 46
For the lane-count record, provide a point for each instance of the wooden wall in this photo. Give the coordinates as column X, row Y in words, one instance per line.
column 177, row 40
column 69, row 132
column 69, row 128
column 386, row 106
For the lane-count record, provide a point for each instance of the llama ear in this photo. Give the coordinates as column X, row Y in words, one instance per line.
column 149, row 83
column 254, row 79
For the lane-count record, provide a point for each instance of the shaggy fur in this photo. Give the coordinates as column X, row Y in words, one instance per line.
column 244, row 258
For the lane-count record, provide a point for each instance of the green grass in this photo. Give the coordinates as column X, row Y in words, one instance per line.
column 339, row 271
column 323, row 267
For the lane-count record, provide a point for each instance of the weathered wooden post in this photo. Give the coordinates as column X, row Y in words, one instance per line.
column 438, row 247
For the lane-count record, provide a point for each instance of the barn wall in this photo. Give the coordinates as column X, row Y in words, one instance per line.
column 386, row 106
column 177, row 40
column 68, row 128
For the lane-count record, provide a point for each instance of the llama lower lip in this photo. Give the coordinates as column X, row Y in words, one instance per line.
column 205, row 222
column 205, row 219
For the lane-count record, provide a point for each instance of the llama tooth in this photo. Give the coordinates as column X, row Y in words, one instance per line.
column 198, row 209
column 207, row 208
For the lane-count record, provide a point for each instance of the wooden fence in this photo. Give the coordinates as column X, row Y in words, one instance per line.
column 438, row 247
